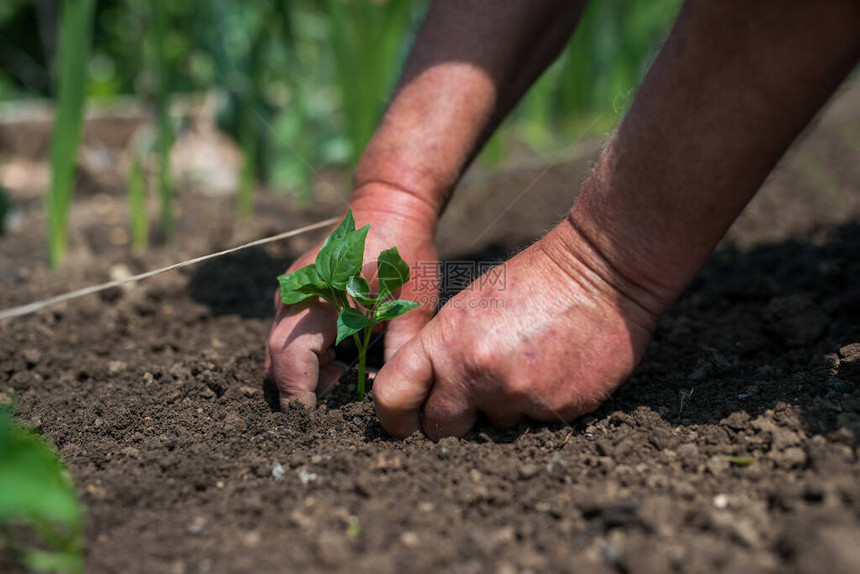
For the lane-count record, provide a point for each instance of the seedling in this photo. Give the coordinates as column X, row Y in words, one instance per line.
column 336, row 276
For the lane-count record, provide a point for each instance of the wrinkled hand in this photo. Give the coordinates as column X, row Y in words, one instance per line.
column 561, row 336
column 300, row 358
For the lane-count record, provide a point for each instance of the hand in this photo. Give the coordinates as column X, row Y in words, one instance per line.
column 560, row 336
column 300, row 359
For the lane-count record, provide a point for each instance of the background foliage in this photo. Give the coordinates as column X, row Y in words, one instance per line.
column 302, row 82
column 315, row 73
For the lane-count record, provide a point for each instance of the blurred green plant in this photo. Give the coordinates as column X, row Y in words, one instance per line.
column 248, row 132
column 302, row 138
column 137, row 213
column 593, row 81
column 164, row 140
column 307, row 80
column 36, row 493
column 368, row 38
column 75, row 30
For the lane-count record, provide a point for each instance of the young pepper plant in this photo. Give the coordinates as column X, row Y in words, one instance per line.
column 336, row 276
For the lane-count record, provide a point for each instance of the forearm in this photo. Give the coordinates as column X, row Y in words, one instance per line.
column 471, row 63
column 734, row 85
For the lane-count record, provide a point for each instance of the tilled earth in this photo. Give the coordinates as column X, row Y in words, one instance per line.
column 732, row 449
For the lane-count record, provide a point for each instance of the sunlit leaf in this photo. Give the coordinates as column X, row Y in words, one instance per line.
column 341, row 258
column 346, row 226
column 358, row 289
column 393, row 272
column 392, row 309
column 301, row 284
column 351, row 321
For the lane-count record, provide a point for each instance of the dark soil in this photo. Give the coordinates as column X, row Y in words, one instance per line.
column 155, row 397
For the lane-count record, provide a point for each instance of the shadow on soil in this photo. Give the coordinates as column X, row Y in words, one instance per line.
column 755, row 328
column 243, row 283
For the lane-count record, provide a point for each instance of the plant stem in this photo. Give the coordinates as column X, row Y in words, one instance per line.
column 362, row 345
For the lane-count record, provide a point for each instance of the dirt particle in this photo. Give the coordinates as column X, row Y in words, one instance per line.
column 116, row 367
column 717, row 465
column 793, row 457
column 332, row 547
column 252, row 539
column 32, row 357
column 850, row 352
column 851, row 423
column 795, row 320
column 385, row 463
column 306, row 476
column 233, row 422
column 528, row 470
column 409, row 539
column 426, row 506
column 783, row 438
column 688, row 454
column 557, row 467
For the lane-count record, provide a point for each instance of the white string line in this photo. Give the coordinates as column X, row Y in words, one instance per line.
column 33, row 307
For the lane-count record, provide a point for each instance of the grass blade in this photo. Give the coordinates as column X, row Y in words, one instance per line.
column 75, row 30
column 162, row 110
column 138, row 219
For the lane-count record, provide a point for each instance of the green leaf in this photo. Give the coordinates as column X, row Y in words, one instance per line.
column 346, row 226
column 342, row 258
column 393, row 272
column 34, row 484
column 359, row 290
column 41, row 561
column 392, row 309
column 351, row 321
column 301, row 284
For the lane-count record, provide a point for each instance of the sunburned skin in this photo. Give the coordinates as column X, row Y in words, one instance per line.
column 733, row 86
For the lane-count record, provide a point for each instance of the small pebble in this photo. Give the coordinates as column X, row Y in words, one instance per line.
column 612, row 555
column 31, row 356
column 306, row 476
column 529, row 470
column 277, row 471
column 409, row 539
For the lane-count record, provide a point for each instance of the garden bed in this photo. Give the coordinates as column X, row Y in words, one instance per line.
column 732, row 449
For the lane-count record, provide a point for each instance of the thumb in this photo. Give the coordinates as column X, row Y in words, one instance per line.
column 401, row 387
